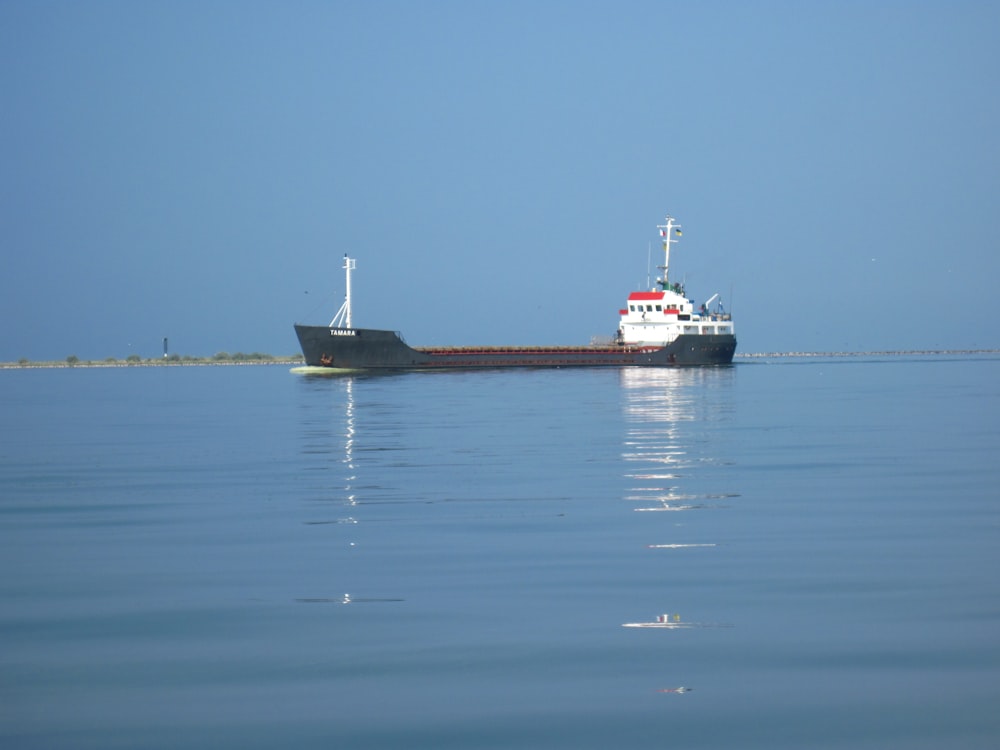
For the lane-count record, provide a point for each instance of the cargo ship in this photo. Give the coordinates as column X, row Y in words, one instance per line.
column 658, row 327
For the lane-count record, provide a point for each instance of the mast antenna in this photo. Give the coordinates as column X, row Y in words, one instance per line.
column 343, row 317
column 649, row 262
column 665, row 230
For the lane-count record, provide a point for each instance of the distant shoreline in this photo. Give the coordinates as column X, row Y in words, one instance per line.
column 886, row 353
column 298, row 360
column 89, row 364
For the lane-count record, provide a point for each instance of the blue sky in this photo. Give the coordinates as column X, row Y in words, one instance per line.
column 198, row 170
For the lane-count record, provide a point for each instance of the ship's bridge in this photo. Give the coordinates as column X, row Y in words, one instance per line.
column 659, row 317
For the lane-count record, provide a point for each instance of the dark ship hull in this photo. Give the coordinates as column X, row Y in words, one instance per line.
column 370, row 349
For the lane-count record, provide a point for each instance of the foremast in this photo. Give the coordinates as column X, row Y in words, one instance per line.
column 343, row 317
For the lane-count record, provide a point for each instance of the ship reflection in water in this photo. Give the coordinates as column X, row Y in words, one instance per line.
column 333, row 441
column 673, row 622
column 345, row 599
column 666, row 471
column 349, row 430
column 658, row 403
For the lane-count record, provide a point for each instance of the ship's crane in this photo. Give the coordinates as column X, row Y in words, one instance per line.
column 706, row 307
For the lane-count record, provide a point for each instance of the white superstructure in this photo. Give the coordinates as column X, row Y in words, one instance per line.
column 662, row 314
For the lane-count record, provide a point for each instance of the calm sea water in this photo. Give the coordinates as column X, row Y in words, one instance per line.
column 176, row 545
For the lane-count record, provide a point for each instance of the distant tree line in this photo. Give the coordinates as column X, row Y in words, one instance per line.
column 241, row 357
column 72, row 359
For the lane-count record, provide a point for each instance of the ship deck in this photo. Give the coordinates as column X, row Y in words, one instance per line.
column 444, row 351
